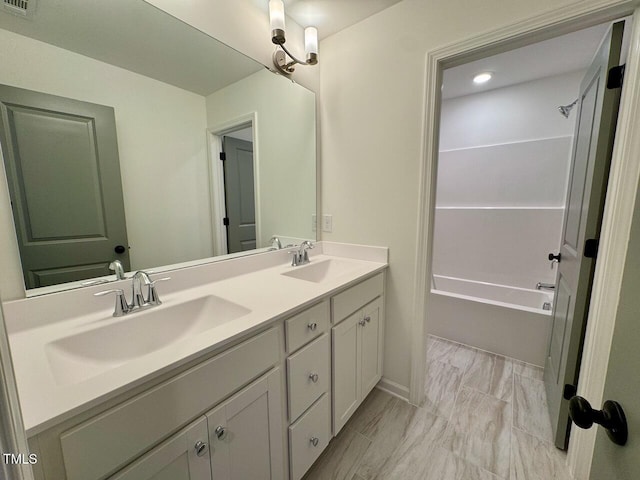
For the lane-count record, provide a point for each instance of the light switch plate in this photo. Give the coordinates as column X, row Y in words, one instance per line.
column 327, row 223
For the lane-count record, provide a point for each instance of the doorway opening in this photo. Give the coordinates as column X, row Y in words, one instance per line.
column 233, row 181
column 515, row 197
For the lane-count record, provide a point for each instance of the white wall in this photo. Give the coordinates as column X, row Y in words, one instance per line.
column 162, row 146
column 502, row 177
column 285, row 151
column 372, row 86
column 519, row 112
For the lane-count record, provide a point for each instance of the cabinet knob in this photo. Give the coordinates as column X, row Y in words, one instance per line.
column 313, row 377
column 362, row 322
column 312, row 326
column 314, row 441
column 220, row 432
column 201, row 448
column 367, row 319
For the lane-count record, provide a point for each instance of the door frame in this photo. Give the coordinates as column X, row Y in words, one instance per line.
column 216, row 177
column 618, row 212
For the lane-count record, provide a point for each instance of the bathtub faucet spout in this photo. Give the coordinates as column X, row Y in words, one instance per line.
column 546, row 286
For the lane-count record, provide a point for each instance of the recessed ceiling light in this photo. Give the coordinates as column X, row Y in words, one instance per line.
column 483, row 77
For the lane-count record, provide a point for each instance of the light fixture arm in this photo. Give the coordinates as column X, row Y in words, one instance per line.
column 287, row 67
column 294, row 60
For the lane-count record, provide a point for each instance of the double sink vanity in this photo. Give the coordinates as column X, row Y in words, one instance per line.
column 246, row 370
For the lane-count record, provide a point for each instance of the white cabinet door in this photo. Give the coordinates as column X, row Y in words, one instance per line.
column 184, row 456
column 346, row 369
column 245, row 433
column 370, row 353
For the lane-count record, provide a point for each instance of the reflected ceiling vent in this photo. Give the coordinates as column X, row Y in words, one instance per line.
column 22, row 8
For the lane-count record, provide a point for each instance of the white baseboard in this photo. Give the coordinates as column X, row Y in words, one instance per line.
column 393, row 388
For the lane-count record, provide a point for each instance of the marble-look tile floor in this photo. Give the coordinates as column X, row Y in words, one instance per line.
column 484, row 418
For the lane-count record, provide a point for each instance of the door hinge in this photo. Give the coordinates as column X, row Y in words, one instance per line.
column 569, row 391
column 223, row 156
column 615, row 77
column 591, row 248
column 225, row 221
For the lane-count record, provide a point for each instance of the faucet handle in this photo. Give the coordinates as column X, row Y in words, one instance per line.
column 122, row 307
column 152, row 294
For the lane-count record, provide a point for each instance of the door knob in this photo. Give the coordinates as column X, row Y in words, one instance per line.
column 555, row 258
column 120, row 249
column 611, row 417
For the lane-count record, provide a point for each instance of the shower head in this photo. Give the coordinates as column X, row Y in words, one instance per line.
column 565, row 110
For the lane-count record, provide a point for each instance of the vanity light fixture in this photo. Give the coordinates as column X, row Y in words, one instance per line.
column 276, row 18
column 481, row 78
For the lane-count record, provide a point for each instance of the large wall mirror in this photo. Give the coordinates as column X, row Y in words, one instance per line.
column 129, row 135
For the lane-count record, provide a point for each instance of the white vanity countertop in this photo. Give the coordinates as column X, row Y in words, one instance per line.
column 47, row 400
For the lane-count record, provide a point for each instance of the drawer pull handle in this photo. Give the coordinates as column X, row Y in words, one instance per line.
column 312, row 326
column 313, row 377
column 367, row 319
column 314, row 441
column 362, row 322
column 201, row 448
column 220, row 432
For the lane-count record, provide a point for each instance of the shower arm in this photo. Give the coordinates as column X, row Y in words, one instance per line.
column 565, row 110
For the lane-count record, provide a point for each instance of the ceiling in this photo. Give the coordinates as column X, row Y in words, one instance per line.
column 331, row 16
column 568, row 53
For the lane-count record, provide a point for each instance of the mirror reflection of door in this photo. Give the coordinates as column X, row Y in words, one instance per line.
column 63, row 171
column 239, row 191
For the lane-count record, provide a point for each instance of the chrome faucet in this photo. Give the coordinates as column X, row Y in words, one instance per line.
column 546, row 286
column 140, row 279
column 139, row 301
column 116, row 266
column 301, row 255
column 276, row 244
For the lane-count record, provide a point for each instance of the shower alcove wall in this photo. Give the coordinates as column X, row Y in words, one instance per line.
column 502, row 177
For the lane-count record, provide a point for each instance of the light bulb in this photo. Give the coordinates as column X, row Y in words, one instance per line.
column 483, row 77
column 311, row 44
column 276, row 19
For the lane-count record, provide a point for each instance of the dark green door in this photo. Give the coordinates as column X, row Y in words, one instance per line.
column 63, row 171
column 239, row 195
column 593, row 144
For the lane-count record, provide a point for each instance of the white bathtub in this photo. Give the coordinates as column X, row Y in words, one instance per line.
column 507, row 320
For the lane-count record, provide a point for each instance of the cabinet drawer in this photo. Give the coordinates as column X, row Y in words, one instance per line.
column 306, row 326
column 307, row 375
column 101, row 445
column 347, row 302
column 303, row 449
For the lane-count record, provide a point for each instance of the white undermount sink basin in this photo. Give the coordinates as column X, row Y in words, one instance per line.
column 320, row 271
column 79, row 357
